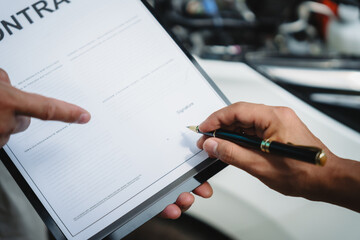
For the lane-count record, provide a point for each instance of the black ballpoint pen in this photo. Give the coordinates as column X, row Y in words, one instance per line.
column 307, row 154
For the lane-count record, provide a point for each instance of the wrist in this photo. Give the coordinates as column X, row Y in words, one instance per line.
column 338, row 182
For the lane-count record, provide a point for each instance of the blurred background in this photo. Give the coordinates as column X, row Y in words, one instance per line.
column 308, row 57
column 310, row 48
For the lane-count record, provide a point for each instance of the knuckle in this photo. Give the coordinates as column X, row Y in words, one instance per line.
column 49, row 111
column 227, row 154
column 237, row 104
column 284, row 112
column 73, row 114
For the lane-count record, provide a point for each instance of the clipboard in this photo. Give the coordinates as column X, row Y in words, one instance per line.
column 115, row 59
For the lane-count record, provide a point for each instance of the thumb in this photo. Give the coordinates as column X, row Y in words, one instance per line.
column 229, row 152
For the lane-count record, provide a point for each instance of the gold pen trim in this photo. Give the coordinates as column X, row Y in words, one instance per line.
column 321, row 158
column 265, row 146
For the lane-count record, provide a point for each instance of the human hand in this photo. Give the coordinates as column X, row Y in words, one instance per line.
column 338, row 182
column 16, row 108
column 281, row 124
column 184, row 202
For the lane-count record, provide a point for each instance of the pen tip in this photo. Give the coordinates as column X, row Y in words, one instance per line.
column 192, row 128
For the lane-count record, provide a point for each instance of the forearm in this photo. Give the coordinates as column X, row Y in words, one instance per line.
column 340, row 184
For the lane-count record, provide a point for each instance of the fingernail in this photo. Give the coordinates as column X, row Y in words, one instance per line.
column 84, row 118
column 210, row 146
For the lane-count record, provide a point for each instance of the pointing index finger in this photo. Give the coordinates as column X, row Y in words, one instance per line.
column 44, row 108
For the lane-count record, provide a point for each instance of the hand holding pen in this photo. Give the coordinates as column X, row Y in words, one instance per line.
column 309, row 154
column 337, row 182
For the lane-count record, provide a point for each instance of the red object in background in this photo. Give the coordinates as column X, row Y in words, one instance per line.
column 324, row 20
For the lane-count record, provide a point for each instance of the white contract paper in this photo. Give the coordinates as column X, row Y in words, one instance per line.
column 114, row 59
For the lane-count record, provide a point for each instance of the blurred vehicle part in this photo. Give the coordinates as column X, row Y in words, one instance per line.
column 339, row 26
column 335, row 92
column 343, row 34
column 306, row 47
column 347, row 80
column 290, row 27
column 242, row 206
column 349, row 101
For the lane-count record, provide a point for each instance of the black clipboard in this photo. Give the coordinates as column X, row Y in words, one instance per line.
column 149, row 208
